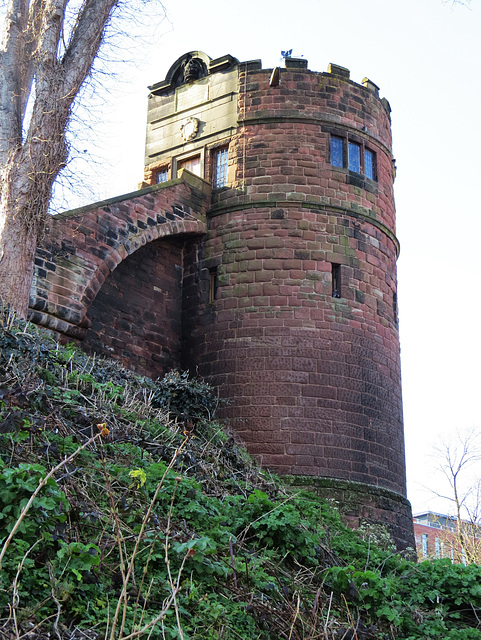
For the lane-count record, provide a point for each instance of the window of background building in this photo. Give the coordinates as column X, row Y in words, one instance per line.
column 162, row 175
column 437, row 547
column 425, row 545
column 191, row 164
column 220, row 163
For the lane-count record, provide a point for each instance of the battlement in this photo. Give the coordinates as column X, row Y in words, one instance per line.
column 210, row 66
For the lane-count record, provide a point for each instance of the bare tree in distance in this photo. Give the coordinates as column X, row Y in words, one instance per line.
column 457, row 458
column 48, row 51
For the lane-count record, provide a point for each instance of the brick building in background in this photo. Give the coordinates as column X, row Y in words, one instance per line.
column 438, row 536
column 259, row 252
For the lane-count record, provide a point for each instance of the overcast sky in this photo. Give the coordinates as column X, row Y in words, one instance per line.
column 425, row 56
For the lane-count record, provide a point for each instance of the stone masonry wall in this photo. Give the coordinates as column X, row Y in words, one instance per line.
column 315, row 380
column 280, row 288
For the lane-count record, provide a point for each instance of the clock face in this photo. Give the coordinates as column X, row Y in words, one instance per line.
column 189, row 128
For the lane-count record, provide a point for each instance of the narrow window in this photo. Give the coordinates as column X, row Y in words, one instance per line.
column 370, row 164
column 394, row 307
column 437, row 547
column 162, row 175
column 191, row 164
column 336, row 280
column 425, row 545
column 212, row 284
column 354, row 157
column 337, row 155
column 221, row 157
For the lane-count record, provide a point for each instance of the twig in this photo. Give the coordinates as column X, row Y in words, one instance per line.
column 350, row 617
column 28, row 633
column 55, row 599
column 167, row 560
column 232, row 560
column 123, row 595
column 15, row 596
column 296, row 615
column 328, row 613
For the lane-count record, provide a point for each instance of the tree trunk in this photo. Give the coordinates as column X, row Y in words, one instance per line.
column 17, row 261
column 18, row 233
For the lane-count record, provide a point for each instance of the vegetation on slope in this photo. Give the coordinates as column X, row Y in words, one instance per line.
column 126, row 511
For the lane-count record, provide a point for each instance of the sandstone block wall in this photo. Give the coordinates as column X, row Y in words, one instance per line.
column 137, row 314
column 110, row 275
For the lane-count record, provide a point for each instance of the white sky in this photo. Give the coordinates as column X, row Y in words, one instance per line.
column 425, row 55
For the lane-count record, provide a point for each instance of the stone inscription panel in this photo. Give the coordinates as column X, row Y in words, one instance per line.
column 189, row 95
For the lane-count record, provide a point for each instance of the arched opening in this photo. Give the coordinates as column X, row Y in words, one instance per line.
column 136, row 316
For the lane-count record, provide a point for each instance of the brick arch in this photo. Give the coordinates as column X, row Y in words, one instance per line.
column 132, row 244
column 82, row 247
column 137, row 314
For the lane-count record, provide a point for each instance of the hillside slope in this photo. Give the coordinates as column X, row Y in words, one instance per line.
column 127, row 511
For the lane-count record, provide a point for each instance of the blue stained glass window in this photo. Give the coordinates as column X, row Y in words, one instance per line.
column 220, row 168
column 354, row 157
column 337, row 156
column 369, row 166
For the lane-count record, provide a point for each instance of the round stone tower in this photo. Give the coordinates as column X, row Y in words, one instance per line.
column 290, row 300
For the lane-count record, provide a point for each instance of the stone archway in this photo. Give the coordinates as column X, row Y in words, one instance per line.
column 84, row 247
column 136, row 316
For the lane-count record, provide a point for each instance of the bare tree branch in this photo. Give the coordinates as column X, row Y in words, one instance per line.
column 457, row 456
column 85, row 41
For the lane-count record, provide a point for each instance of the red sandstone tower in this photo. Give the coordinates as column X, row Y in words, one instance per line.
column 271, row 270
column 293, row 308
